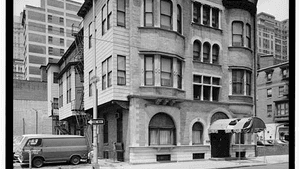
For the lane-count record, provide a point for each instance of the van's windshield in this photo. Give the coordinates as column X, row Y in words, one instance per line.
column 17, row 140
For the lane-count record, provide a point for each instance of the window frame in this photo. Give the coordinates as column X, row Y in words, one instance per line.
column 200, row 83
column 248, row 35
column 215, row 17
column 206, row 15
column 179, row 19
column 162, row 15
column 55, row 77
column 215, row 54
column 50, row 19
column 207, row 46
column 269, row 93
column 146, row 71
column 201, row 133
column 197, row 42
column 119, row 70
column 90, row 35
column 165, row 72
column 234, row 34
column 197, row 14
column 90, row 84
column 69, row 85
column 50, row 39
column 109, row 14
column 103, row 20
column 122, row 10
column 148, row 13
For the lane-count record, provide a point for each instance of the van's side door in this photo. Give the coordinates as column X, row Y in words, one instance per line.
column 53, row 150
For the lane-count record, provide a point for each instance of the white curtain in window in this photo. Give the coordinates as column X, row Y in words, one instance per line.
column 197, row 137
column 166, row 137
column 153, row 137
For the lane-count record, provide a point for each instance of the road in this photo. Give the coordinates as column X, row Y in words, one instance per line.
column 270, row 166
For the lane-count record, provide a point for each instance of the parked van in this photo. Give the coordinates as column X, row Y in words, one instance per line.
column 52, row 148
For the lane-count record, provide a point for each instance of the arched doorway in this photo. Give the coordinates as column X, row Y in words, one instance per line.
column 220, row 142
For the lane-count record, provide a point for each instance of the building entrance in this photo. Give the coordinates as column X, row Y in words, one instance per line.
column 220, row 144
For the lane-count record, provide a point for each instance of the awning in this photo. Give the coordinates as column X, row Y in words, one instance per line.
column 222, row 124
column 244, row 125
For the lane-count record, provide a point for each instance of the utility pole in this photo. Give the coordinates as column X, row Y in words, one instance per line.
column 95, row 80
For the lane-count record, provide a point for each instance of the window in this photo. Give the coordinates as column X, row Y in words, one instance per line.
column 104, row 12
column 50, row 50
column 109, row 72
column 215, row 17
column 166, row 14
column 90, row 35
column 239, row 138
column 148, row 13
column 60, row 92
column 61, row 30
column 248, row 83
column 206, row 52
column 55, row 103
column 61, row 51
column 285, row 73
column 61, row 20
column 269, row 76
column 282, row 109
column 215, row 54
column 50, row 39
column 197, row 13
column 179, row 19
column 55, row 77
column 34, row 142
column 197, row 133
column 179, row 74
column 121, row 13
column 109, row 12
column 269, row 110
column 68, row 73
column 61, row 41
column 50, row 28
column 104, row 68
column 121, row 70
column 49, row 18
column 248, row 36
column 166, row 71
column 237, row 33
column 206, row 88
column 206, row 15
column 237, row 81
column 281, row 90
column 197, row 50
column 161, row 130
column 149, row 70
column 90, row 83
column 269, row 92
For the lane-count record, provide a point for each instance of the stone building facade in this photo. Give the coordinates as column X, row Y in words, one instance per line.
column 168, row 69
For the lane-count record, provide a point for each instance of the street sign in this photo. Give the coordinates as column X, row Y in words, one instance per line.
column 96, row 121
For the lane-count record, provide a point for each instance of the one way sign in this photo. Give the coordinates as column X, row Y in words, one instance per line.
column 96, row 121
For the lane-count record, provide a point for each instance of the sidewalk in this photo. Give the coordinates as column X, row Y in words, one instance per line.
column 199, row 164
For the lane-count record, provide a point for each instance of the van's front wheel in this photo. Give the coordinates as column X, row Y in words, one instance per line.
column 75, row 160
column 37, row 162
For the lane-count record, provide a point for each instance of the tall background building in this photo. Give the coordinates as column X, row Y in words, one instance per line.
column 18, row 48
column 272, row 36
column 47, row 33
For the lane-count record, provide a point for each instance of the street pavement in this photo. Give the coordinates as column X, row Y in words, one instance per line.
column 199, row 164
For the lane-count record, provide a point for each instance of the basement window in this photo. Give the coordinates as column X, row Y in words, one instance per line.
column 163, row 157
column 198, row 155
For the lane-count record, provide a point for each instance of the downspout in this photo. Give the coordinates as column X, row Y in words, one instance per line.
column 255, row 65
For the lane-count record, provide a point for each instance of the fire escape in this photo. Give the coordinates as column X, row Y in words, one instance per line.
column 78, row 104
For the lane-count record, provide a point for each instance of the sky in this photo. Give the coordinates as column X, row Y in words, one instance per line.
column 277, row 8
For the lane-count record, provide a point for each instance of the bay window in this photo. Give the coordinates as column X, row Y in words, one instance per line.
column 166, row 71
column 148, row 13
column 166, row 14
column 179, row 19
column 121, row 68
column 248, row 36
column 149, row 70
column 241, row 82
column 237, row 33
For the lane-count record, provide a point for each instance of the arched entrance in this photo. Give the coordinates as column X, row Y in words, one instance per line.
column 220, row 142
